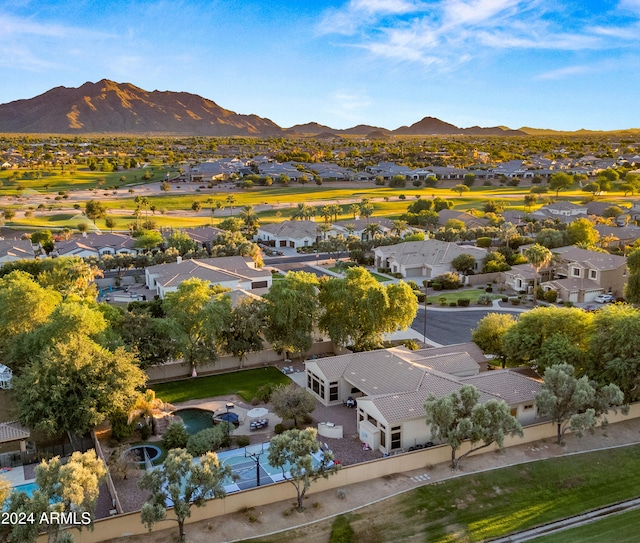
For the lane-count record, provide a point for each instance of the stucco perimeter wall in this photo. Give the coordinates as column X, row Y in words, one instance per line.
column 130, row 524
column 179, row 370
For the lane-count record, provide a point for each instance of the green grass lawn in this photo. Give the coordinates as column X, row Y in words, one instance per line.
column 455, row 295
column 478, row 507
column 376, row 276
column 621, row 528
column 243, row 383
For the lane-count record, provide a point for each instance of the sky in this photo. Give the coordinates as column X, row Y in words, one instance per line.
column 557, row 64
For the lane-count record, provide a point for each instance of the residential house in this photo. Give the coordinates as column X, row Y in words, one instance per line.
column 19, row 249
column 204, row 236
column 359, row 227
column 97, row 245
column 292, row 234
column 392, row 385
column 581, row 275
column 565, row 212
column 617, row 236
column 521, row 277
column 234, row 272
column 469, row 220
column 428, row 258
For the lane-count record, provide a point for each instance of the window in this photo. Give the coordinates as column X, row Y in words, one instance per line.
column 527, row 407
column 575, row 272
column 372, row 420
column 383, row 439
column 333, row 391
column 396, row 440
column 593, row 274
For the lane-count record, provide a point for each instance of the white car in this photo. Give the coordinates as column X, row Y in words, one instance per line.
column 604, row 298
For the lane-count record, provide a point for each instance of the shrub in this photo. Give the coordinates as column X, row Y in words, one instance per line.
column 243, row 441
column 436, row 285
column 505, row 299
column 483, row 242
column 484, row 300
column 402, row 197
column 120, row 427
column 464, row 302
column 515, row 301
column 278, row 428
column 539, row 293
column 442, row 301
column 453, row 304
column 413, row 285
column 421, row 297
column 411, row 344
column 397, row 275
column 264, row 392
column 209, row 439
column 449, row 280
column 550, row 296
column 175, row 437
column 426, row 283
column 488, row 289
column 568, row 304
column 145, row 432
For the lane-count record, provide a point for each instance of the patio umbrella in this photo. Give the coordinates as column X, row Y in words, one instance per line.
column 257, row 412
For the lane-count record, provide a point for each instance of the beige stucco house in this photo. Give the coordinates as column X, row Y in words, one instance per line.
column 392, row 385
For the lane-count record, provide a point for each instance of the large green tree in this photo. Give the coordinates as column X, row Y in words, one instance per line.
column 490, row 332
column 459, row 417
column 291, row 312
column 181, row 241
column 546, row 336
column 243, row 330
column 559, row 181
column 614, row 349
column 632, row 288
column 357, row 310
column 574, row 403
column 94, row 210
column 181, row 483
column 76, row 384
column 200, row 312
column 293, row 453
column 63, row 488
column 24, row 306
column 582, row 232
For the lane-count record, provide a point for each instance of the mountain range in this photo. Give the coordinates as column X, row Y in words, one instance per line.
column 123, row 108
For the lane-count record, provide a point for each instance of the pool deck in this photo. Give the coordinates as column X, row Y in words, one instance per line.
column 16, row 476
column 241, row 409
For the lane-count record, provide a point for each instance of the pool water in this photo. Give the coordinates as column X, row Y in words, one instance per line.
column 194, row 419
column 28, row 488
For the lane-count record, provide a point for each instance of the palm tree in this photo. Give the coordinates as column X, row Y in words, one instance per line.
column 354, row 209
column 250, row 218
column 213, row 203
column 335, row 210
column 324, row 229
column 399, row 226
column 326, row 213
column 303, row 212
column 350, row 228
column 538, row 256
column 231, row 199
column 373, row 230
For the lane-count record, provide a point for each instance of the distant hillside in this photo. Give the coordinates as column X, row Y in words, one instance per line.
column 108, row 107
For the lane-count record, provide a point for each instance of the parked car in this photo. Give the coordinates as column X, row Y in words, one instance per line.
column 604, row 298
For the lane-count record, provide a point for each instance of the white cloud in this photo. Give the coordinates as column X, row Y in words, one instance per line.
column 447, row 33
column 563, row 73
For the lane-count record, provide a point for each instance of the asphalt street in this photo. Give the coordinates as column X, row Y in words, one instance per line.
column 449, row 326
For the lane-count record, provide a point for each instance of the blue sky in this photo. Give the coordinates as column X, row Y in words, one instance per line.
column 557, row 64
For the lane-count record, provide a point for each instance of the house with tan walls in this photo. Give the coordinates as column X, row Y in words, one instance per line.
column 390, row 387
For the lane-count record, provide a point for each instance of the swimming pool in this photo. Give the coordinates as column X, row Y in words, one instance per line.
column 27, row 488
column 195, row 419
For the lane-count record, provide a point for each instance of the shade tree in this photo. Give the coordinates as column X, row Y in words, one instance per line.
column 294, row 452
column 489, row 334
column 291, row 402
column 574, row 403
column 182, row 484
column 460, row 417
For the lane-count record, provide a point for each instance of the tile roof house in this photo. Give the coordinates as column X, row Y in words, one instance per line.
column 428, row 258
column 392, row 385
column 234, row 272
column 12, row 250
column 97, row 245
column 469, row 220
column 565, row 212
column 292, row 234
column 582, row 274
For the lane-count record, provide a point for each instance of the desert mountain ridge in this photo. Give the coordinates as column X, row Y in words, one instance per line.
column 122, row 108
